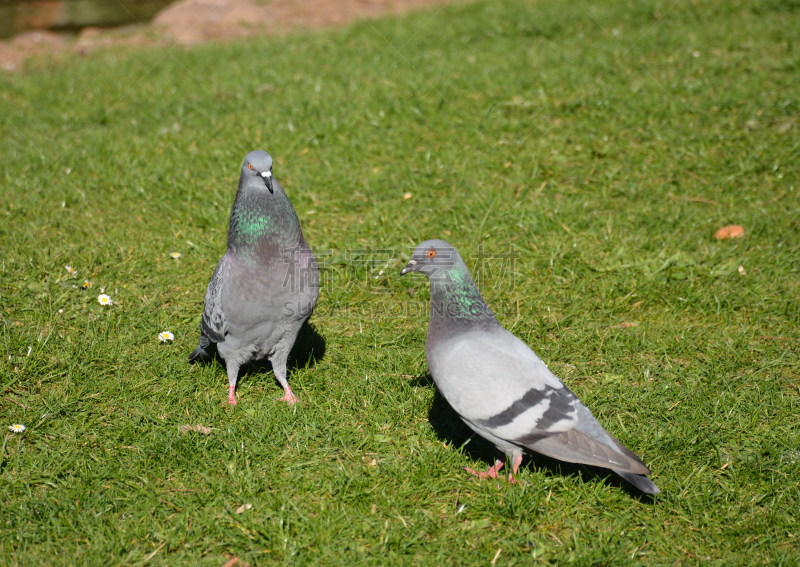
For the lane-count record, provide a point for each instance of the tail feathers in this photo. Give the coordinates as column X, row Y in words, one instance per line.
column 574, row 446
column 640, row 481
column 199, row 354
column 204, row 350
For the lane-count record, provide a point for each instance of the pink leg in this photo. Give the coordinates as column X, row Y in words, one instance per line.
column 516, row 460
column 233, row 372
column 278, row 361
column 491, row 472
column 288, row 396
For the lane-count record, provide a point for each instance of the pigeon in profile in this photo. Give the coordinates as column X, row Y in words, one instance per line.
column 267, row 283
column 499, row 387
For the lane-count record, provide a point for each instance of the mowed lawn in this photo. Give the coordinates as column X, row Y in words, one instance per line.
column 581, row 157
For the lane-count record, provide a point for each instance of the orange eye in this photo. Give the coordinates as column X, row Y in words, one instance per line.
column 250, row 165
column 431, row 253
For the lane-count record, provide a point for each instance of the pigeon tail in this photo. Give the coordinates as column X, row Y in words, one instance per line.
column 640, row 481
column 202, row 351
column 199, row 354
column 574, row 446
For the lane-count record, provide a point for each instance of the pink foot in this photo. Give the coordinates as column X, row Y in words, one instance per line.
column 231, row 396
column 491, row 472
column 514, row 466
column 288, row 397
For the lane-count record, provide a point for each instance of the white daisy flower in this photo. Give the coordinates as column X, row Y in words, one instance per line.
column 166, row 336
column 103, row 299
column 176, row 255
column 73, row 273
column 17, row 428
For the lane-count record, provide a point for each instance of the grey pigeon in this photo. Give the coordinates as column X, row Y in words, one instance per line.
column 499, row 387
column 267, row 283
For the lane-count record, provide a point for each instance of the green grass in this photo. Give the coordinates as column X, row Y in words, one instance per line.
column 585, row 143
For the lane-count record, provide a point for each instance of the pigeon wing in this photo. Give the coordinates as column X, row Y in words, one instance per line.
column 213, row 323
column 574, row 446
column 499, row 385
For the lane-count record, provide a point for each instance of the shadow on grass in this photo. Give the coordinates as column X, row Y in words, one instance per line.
column 449, row 428
column 308, row 349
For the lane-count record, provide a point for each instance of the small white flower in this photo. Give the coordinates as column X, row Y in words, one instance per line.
column 166, row 336
column 17, row 428
column 176, row 255
column 103, row 299
column 73, row 273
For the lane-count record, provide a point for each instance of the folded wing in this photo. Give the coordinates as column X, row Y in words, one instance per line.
column 213, row 323
column 499, row 386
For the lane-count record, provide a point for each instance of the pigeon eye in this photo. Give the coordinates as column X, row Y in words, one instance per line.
column 431, row 253
column 250, row 165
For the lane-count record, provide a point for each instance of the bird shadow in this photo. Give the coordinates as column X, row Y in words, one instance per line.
column 309, row 345
column 449, row 428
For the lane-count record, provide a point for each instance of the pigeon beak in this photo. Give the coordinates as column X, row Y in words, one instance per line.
column 267, row 175
column 410, row 267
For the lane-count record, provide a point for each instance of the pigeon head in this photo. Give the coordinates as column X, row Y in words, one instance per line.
column 454, row 296
column 257, row 166
column 433, row 257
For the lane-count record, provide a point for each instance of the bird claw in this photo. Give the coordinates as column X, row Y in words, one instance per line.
column 482, row 475
column 288, row 397
column 231, row 397
column 491, row 472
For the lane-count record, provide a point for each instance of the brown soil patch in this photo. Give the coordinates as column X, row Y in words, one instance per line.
column 189, row 22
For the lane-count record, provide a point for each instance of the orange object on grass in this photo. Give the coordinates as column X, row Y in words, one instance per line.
column 730, row 231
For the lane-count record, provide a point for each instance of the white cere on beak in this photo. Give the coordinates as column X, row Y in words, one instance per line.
column 266, row 174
